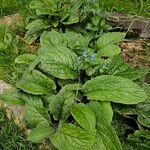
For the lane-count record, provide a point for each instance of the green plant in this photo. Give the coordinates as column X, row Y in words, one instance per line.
column 63, row 81
column 79, row 15
column 70, row 85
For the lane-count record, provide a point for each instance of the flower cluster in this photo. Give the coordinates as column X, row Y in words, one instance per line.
column 85, row 55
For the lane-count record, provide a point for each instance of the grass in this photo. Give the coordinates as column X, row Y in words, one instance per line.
column 133, row 7
column 8, row 7
column 10, row 48
column 11, row 137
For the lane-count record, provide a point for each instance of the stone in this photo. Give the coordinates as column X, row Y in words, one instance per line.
column 17, row 112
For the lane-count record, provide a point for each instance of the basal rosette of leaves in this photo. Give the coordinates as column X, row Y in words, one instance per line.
column 71, row 84
column 78, row 15
column 67, row 92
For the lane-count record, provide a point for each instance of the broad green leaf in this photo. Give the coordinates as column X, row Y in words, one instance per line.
column 119, row 67
column 35, row 113
column 144, row 120
column 44, row 7
column 12, row 96
column 40, row 132
column 84, row 116
column 146, row 87
column 35, row 29
column 71, row 19
column 37, row 25
column 106, row 111
column 76, row 4
column 132, row 73
column 37, row 103
column 31, row 36
column 107, row 134
column 25, row 59
column 98, row 145
column 105, row 131
column 35, row 63
column 115, row 89
column 73, row 87
column 51, row 38
column 70, row 137
column 33, row 116
column 109, row 51
column 143, row 111
column 34, row 101
column 109, row 38
column 36, row 83
column 61, row 103
column 75, row 41
column 58, row 61
column 72, row 15
column 96, row 20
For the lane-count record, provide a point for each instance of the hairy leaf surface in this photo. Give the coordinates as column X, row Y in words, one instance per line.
column 70, row 137
column 85, row 116
column 35, row 113
column 35, row 29
column 109, row 51
column 106, row 111
column 36, row 83
column 32, row 115
column 75, row 41
column 52, row 38
column 61, row 103
column 110, row 38
column 105, row 131
column 115, row 89
column 42, row 131
column 58, row 61
column 119, row 67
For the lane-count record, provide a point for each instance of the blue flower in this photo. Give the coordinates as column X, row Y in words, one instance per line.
column 92, row 57
column 85, row 54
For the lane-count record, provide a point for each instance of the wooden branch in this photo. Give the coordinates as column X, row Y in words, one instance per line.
column 131, row 23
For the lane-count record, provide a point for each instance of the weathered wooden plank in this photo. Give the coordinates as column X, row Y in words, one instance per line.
column 131, row 23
